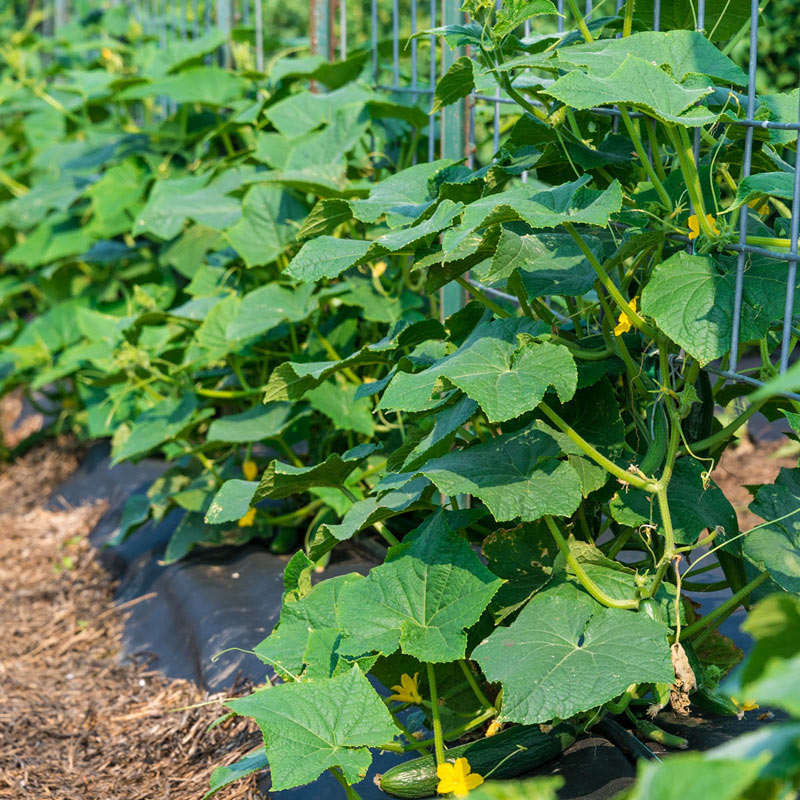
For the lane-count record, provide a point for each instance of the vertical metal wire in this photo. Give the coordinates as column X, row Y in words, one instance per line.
column 527, row 33
column 195, row 18
column 432, row 83
column 414, row 46
column 746, row 165
column 791, row 275
column 395, row 44
column 560, row 23
column 259, row 36
column 342, row 29
column 374, row 20
column 496, row 111
column 656, row 15
column 701, row 25
column 246, row 13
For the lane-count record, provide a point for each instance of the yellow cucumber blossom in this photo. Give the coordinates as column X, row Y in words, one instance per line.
column 747, row 705
column 456, row 778
column 248, row 520
column 694, row 226
column 407, row 691
column 250, row 470
column 759, row 206
column 624, row 321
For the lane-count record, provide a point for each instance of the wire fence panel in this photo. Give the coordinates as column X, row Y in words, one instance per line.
column 405, row 62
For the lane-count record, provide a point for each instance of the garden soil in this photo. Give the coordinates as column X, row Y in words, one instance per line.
column 76, row 722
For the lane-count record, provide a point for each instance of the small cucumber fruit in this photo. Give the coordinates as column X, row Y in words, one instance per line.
column 515, row 750
column 715, row 702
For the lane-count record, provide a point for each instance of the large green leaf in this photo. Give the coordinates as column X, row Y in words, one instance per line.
column 455, row 84
column 499, row 366
column 267, row 307
column 517, row 475
column 723, row 18
column 156, row 426
column 254, row 425
column 338, row 403
column 694, row 507
column 691, row 300
column 310, row 727
column 684, row 53
column 524, row 556
column 694, row 777
column 327, row 257
column 231, row 502
column 514, row 12
column 171, row 202
column 401, row 197
column 286, row 648
column 208, row 85
column 371, row 510
column 776, row 547
column 265, row 228
column 282, row 480
column 421, row 600
column 635, row 82
column 772, row 184
column 540, row 208
column 548, row 263
column 565, row 654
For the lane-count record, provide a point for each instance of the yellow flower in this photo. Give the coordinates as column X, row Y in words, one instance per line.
column 494, row 727
column 759, row 205
column 248, row 520
column 407, row 691
column 748, row 705
column 457, row 778
column 624, row 322
column 378, row 268
column 107, row 54
column 694, row 226
column 250, row 470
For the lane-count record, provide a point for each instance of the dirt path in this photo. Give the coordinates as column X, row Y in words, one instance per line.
column 75, row 724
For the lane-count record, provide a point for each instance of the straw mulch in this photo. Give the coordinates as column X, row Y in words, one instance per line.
column 75, row 723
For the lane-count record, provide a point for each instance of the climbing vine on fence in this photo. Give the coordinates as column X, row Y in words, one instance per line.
column 554, row 438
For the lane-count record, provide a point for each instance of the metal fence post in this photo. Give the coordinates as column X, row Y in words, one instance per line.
column 224, row 16
column 60, row 14
column 453, row 139
column 321, row 19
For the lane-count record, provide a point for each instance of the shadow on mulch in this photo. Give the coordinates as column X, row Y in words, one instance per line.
column 74, row 721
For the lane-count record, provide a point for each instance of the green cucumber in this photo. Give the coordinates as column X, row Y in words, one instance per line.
column 652, row 732
column 506, row 755
column 654, row 457
column 284, row 541
column 715, row 702
column 699, row 422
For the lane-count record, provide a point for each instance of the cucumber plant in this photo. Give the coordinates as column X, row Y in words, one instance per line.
column 150, row 204
column 555, row 437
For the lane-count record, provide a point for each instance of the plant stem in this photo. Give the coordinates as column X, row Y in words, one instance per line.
column 627, row 24
column 349, row 791
column 643, row 483
column 482, row 698
column 481, row 297
column 438, row 741
column 610, row 286
column 730, row 604
column 642, row 153
column 585, row 32
column 580, row 573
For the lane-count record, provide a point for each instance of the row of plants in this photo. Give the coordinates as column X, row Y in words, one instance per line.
column 219, row 267
column 151, row 204
column 554, row 438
